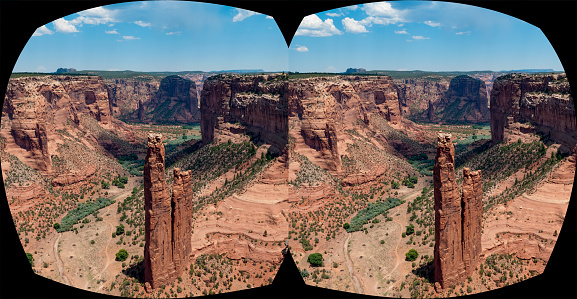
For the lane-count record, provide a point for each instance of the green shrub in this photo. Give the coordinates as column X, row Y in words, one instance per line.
column 30, row 258
column 373, row 210
column 56, row 226
column 410, row 229
column 83, row 210
column 315, row 259
column 121, row 255
column 346, row 226
column 411, row 255
column 304, row 273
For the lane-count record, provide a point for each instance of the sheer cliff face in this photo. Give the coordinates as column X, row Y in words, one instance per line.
column 544, row 101
column 415, row 94
column 465, row 101
column 256, row 105
column 320, row 109
column 173, row 99
column 36, row 106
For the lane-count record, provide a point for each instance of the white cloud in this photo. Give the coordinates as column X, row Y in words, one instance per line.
column 174, row 33
column 129, row 37
column 353, row 26
column 331, row 69
column 333, row 14
column 419, row 37
column 41, row 69
column 243, row 14
column 300, row 48
column 96, row 16
column 432, row 24
column 111, row 32
column 61, row 25
column 269, row 17
column 142, row 24
column 382, row 9
column 42, row 30
column 404, row 31
column 352, row 7
column 312, row 25
column 463, row 33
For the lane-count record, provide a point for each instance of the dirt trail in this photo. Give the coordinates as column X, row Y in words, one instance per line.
column 350, row 265
column 59, row 262
column 107, row 257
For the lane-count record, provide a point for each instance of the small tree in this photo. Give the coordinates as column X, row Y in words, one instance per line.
column 410, row 229
column 346, row 225
column 304, row 273
column 315, row 259
column 30, row 258
column 411, row 255
column 121, row 255
column 120, row 230
column 56, row 226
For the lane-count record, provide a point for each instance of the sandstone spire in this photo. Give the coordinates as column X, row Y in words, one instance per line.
column 448, row 260
column 472, row 204
column 181, row 218
column 158, row 265
column 458, row 221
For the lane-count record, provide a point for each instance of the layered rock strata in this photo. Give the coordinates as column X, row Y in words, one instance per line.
column 35, row 107
column 544, row 101
column 472, row 208
column 448, row 261
column 414, row 93
column 256, row 105
column 158, row 264
column 168, row 222
column 465, row 101
column 457, row 219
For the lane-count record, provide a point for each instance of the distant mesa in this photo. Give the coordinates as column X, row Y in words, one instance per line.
column 353, row 70
column 65, row 70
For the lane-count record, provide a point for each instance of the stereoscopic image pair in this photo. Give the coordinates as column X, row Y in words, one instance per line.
column 165, row 149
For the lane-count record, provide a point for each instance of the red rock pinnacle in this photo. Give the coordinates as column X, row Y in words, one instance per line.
column 181, row 218
column 457, row 220
column 448, row 260
column 158, row 265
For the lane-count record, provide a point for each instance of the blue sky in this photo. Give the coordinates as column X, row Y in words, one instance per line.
column 188, row 36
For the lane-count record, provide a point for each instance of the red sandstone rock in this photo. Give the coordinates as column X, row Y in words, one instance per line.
column 448, row 261
column 472, row 208
column 158, row 265
column 181, row 219
column 411, row 93
column 543, row 100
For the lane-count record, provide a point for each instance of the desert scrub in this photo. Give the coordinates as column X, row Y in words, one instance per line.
column 309, row 173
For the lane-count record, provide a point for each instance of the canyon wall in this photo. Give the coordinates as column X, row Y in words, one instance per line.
column 543, row 101
column 35, row 107
column 321, row 109
column 252, row 104
column 415, row 94
column 465, row 101
column 172, row 99
column 458, row 219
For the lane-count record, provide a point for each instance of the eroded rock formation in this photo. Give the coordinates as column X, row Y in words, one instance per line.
column 158, row 264
column 544, row 101
column 465, row 101
column 457, row 219
column 253, row 104
column 448, row 262
column 471, row 216
column 414, row 93
column 168, row 222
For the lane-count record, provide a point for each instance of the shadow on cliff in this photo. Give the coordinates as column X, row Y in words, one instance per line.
column 425, row 271
column 135, row 271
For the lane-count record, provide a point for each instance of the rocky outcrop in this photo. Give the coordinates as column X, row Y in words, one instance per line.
column 158, row 265
column 465, row 101
column 414, row 94
column 36, row 106
column 545, row 101
column 255, row 105
column 457, row 219
column 448, row 259
column 176, row 101
column 168, row 222
column 472, row 208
